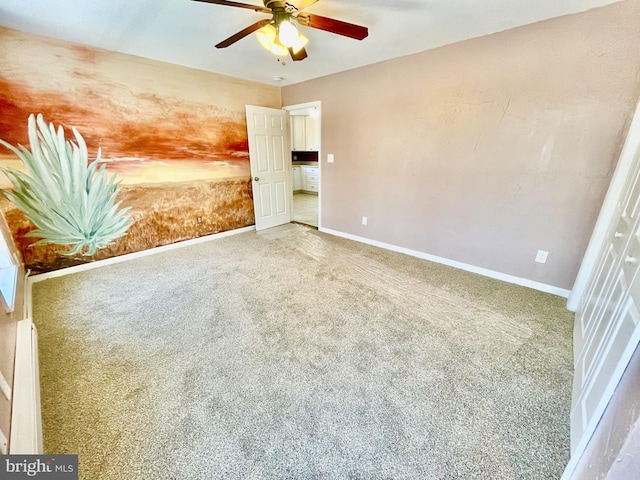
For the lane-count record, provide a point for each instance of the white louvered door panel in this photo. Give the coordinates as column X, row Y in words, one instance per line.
column 607, row 327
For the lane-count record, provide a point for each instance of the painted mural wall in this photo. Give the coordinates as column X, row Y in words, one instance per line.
column 175, row 137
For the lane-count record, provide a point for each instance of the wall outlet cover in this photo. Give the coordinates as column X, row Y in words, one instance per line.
column 541, row 256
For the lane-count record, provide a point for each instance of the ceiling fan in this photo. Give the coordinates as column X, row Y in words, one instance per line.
column 279, row 35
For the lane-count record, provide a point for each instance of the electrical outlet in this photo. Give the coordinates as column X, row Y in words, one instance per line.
column 199, row 219
column 541, row 256
column 365, row 220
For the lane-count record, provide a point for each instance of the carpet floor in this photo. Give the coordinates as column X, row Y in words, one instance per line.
column 293, row 354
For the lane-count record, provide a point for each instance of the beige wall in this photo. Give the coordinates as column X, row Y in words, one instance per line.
column 487, row 150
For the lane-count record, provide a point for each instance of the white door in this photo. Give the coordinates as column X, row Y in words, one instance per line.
column 270, row 158
column 607, row 326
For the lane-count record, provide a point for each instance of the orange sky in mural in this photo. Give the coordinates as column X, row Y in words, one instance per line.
column 177, row 136
column 154, row 122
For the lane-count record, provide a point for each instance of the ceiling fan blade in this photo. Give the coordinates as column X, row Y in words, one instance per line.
column 296, row 57
column 299, row 4
column 334, row 26
column 257, row 8
column 242, row 33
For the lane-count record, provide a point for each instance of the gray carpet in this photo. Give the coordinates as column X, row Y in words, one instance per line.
column 293, row 354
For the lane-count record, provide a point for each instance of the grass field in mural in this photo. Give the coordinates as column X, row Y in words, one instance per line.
column 162, row 214
column 166, row 198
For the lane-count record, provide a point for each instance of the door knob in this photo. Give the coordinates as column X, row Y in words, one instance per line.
column 630, row 259
column 618, row 235
column 257, row 179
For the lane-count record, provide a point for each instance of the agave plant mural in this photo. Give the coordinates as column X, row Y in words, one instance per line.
column 68, row 198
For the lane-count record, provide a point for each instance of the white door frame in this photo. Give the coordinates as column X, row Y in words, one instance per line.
column 317, row 105
column 607, row 211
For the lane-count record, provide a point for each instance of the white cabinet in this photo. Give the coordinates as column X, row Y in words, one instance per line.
column 304, row 133
column 298, row 132
column 310, row 177
column 297, row 178
column 312, row 134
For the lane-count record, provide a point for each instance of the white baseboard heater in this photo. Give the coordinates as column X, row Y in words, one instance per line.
column 26, row 418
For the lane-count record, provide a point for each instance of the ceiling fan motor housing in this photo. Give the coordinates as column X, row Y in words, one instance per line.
column 273, row 4
column 280, row 15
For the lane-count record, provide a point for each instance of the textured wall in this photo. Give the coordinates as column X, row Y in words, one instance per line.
column 487, row 150
column 175, row 136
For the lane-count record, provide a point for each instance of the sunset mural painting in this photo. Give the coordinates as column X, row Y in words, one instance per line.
column 175, row 137
column 70, row 200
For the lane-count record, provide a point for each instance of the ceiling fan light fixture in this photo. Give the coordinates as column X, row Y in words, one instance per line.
column 287, row 33
column 300, row 43
column 266, row 36
column 279, row 49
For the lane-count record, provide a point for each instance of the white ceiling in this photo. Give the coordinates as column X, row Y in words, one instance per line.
column 184, row 32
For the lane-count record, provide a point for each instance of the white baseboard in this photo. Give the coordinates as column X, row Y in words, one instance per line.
column 130, row 256
column 543, row 287
column 26, row 419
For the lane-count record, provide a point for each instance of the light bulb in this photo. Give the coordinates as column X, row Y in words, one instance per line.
column 266, row 36
column 279, row 49
column 299, row 44
column 287, row 33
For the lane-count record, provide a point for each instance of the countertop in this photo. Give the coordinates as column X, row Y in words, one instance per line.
column 312, row 164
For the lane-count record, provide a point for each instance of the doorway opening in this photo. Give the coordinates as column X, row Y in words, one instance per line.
column 304, row 124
